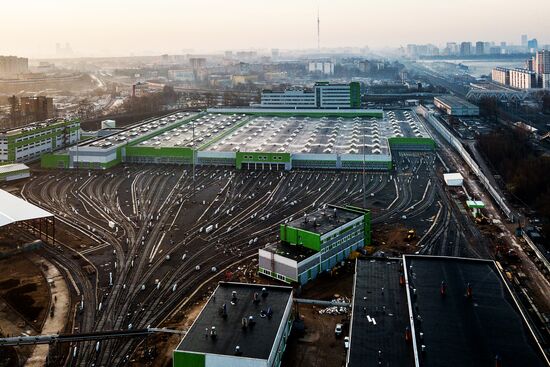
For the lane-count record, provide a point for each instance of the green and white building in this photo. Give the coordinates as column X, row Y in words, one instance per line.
column 30, row 142
column 241, row 325
column 315, row 243
column 323, row 95
column 15, row 171
column 256, row 139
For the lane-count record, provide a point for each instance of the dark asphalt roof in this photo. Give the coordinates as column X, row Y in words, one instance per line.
column 324, row 220
column 462, row 331
column 294, row 252
column 254, row 342
column 388, row 334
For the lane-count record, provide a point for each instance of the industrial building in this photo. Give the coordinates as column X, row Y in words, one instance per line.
column 276, row 140
column 16, row 171
column 323, row 95
column 438, row 311
column 241, row 325
column 454, row 106
column 315, row 243
column 30, row 142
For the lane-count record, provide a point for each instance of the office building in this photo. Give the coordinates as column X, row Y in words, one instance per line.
column 438, row 311
column 25, row 144
column 501, row 75
column 454, row 106
column 523, row 79
column 12, row 65
column 315, row 243
column 532, row 45
column 323, row 67
column 546, row 81
column 323, row 95
column 241, row 325
column 465, row 49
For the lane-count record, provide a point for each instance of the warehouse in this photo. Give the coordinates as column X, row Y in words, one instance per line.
column 240, row 325
column 16, row 171
column 408, row 311
column 28, row 143
column 454, row 106
column 315, row 243
column 255, row 142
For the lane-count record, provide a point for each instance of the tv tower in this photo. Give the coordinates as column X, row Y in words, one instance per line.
column 318, row 30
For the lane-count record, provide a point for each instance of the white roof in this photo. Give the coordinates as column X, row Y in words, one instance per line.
column 452, row 176
column 13, row 167
column 14, row 209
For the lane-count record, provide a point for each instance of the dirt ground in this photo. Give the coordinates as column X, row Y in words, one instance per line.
column 319, row 347
column 24, row 299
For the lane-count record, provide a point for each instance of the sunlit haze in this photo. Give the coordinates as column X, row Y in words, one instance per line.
column 143, row 27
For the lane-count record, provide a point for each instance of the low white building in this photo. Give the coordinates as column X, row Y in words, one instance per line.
column 11, row 172
column 453, row 179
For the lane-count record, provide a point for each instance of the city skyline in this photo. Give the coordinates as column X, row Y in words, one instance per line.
column 140, row 28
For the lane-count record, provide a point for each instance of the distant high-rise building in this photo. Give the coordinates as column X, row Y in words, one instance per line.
column 541, row 62
column 275, row 53
column 323, row 67
column 524, row 40
column 480, row 48
column 228, row 54
column 197, row 63
column 13, row 65
column 533, row 45
column 465, row 49
column 452, row 48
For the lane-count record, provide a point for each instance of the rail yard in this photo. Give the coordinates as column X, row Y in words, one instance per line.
column 151, row 240
column 137, row 240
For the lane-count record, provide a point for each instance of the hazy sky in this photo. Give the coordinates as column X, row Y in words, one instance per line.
column 120, row 27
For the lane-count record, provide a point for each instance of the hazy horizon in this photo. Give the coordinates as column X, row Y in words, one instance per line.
column 140, row 27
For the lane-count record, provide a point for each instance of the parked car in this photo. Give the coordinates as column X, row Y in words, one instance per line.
column 338, row 329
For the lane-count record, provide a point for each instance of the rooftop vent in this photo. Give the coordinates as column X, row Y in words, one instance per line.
column 238, row 351
column 244, row 323
column 233, row 297
column 213, row 334
column 264, row 292
column 256, row 299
